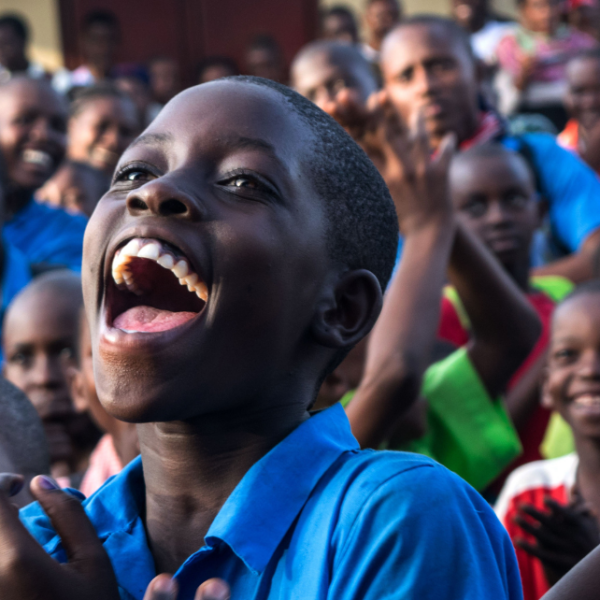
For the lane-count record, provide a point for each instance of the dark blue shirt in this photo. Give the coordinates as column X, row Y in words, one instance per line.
column 47, row 235
column 318, row 518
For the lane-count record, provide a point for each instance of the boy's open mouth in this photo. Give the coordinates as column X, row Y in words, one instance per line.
column 153, row 288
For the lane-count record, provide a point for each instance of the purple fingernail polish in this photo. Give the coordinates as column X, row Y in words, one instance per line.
column 47, row 483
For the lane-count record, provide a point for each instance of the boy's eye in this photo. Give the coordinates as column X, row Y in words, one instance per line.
column 243, row 181
column 66, row 353
column 565, row 355
column 20, row 358
column 248, row 182
column 132, row 174
column 475, row 208
column 515, row 200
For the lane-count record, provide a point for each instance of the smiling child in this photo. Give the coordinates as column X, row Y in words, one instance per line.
column 240, row 253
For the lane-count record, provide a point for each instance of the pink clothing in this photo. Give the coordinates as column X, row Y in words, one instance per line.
column 104, row 463
column 552, row 53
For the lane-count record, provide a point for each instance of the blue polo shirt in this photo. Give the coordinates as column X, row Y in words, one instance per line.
column 318, row 518
column 45, row 234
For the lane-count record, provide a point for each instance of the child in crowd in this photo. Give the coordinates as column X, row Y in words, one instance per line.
column 380, row 18
column 264, row 58
column 23, row 447
column 338, row 24
column 102, row 123
column 582, row 133
column 76, row 187
column 533, row 59
column 285, row 236
column 100, row 38
column 550, row 508
column 494, row 192
column 32, row 143
column 165, row 79
column 14, row 37
column 39, row 337
column 584, row 15
column 119, row 445
column 485, row 27
column 322, row 70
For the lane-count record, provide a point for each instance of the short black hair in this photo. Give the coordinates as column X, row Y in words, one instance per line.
column 100, row 17
column 83, row 96
column 362, row 221
column 17, row 24
column 451, row 27
column 217, row 61
column 21, row 432
column 339, row 11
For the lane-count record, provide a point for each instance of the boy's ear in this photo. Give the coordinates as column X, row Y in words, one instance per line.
column 348, row 314
column 76, row 385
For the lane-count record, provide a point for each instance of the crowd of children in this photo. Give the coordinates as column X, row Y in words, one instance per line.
column 325, row 331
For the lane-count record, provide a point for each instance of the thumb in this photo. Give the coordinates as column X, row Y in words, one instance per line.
column 78, row 536
column 163, row 587
column 213, row 589
column 11, row 483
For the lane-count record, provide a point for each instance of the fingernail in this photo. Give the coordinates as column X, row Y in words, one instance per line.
column 47, row 483
column 215, row 590
column 164, row 586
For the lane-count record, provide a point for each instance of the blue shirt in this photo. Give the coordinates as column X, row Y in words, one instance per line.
column 318, row 518
column 47, row 235
column 570, row 187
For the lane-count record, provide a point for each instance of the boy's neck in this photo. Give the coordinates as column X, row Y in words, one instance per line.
column 191, row 468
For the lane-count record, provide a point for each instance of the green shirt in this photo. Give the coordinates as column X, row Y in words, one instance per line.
column 467, row 431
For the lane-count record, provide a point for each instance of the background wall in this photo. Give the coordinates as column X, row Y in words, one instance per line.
column 46, row 41
column 45, row 30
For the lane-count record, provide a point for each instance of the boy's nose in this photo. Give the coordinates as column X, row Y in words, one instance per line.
column 162, row 199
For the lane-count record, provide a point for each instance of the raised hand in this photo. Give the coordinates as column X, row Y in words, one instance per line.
column 564, row 535
column 27, row 572
column 164, row 587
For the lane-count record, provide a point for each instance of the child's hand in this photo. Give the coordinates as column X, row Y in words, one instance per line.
column 27, row 572
column 165, row 588
column 417, row 180
column 564, row 535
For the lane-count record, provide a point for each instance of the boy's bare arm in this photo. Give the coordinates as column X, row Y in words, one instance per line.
column 401, row 342
column 505, row 327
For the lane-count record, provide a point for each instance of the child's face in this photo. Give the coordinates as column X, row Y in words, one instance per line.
column 583, row 97
column 39, row 338
column 32, row 132
column 99, row 134
column 573, row 378
column 381, row 16
column 495, row 198
column 339, row 28
column 319, row 78
column 220, row 181
column 541, row 16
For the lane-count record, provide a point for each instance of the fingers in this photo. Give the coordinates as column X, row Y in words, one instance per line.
column 163, row 587
column 213, row 589
column 78, row 536
column 543, row 535
column 446, row 152
column 552, row 559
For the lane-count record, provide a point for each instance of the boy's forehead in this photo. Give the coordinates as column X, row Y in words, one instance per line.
column 223, row 110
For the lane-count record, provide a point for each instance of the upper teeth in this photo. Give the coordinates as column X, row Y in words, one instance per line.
column 155, row 251
column 588, row 400
column 37, row 157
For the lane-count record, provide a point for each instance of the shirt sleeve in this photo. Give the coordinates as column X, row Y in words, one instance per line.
column 571, row 188
column 468, row 431
column 425, row 534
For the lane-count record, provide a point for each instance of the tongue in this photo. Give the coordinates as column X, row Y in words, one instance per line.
column 148, row 319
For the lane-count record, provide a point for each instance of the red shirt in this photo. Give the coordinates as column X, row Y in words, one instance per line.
column 531, row 484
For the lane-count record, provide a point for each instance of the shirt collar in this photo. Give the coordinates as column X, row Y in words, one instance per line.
column 263, row 506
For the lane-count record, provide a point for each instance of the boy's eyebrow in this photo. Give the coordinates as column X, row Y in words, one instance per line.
column 152, row 139
column 241, row 142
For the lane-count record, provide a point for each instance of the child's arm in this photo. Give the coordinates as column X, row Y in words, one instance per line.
column 505, row 327
column 401, row 342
